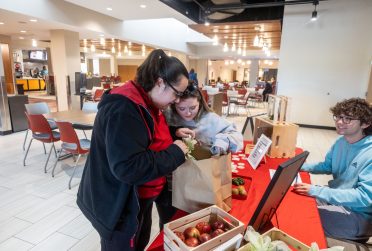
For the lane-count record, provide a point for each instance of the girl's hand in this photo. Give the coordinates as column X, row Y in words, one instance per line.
column 185, row 133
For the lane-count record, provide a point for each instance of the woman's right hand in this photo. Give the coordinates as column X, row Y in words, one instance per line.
column 185, row 133
column 181, row 145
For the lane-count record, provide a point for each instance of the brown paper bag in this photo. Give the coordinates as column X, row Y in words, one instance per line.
column 198, row 184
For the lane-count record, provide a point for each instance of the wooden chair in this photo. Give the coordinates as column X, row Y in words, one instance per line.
column 71, row 144
column 42, row 132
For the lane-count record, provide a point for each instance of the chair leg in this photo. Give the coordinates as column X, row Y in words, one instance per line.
column 46, row 163
column 55, row 163
column 73, row 173
column 44, row 148
column 24, row 142
column 55, row 151
column 28, row 148
column 85, row 134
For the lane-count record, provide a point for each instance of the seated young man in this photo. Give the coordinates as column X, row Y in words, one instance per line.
column 345, row 205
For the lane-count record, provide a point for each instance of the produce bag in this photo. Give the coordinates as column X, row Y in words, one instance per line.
column 198, row 184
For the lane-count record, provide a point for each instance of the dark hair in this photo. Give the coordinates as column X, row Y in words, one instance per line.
column 193, row 91
column 356, row 108
column 160, row 65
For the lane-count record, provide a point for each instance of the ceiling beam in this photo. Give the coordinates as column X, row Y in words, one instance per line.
column 221, row 7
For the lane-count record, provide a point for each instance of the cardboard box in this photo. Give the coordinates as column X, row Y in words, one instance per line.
column 276, row 235
column 210, row 214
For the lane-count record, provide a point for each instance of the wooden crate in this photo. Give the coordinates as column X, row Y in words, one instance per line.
column 210, row 214
column 276, row 234
column 283, row 137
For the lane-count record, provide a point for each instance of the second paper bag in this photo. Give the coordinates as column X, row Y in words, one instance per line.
column 198, row 184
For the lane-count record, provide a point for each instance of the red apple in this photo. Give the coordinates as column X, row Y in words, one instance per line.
column 217, row 232
column 192, row 242
column 204, row 237
column 191, row 232
column 203, row 227
column 180, row 235
column 218, row 225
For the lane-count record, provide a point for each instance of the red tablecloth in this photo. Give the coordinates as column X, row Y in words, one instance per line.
column 297, row 215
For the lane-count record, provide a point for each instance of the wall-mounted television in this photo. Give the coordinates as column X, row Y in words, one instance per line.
column 38, row 55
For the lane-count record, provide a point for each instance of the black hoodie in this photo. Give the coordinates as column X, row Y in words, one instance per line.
column 119, row 161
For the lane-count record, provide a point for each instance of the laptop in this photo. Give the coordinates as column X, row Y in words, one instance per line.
column 275, row 192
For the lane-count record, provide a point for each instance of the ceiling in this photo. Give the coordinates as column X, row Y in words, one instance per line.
column 242, row 34
column 238, row 15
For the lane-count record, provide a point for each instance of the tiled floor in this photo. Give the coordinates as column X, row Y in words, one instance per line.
column 38, row 212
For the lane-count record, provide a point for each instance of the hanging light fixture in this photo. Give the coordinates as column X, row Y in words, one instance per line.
column 256, row 41
column 225, row 48
column 34, row 43
column 314, row 15
column 215, row 40
column 233, row 47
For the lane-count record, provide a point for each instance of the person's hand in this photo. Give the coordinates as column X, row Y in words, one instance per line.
column 181, row 145
column 302, row 188
column 185, row 133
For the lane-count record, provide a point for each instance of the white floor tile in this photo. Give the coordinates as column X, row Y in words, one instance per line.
column 39, row 211
column 15, row 244
column 77, row 228
column 55, row 242
column 11, row 227
column 91, row 242
column 48, row 225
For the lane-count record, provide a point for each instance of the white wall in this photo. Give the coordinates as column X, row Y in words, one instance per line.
column 326, row 61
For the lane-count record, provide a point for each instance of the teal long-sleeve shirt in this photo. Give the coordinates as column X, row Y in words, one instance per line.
column 351, row 168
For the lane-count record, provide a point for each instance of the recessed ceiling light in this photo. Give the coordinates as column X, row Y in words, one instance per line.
column 109, row 9
column 33, row 20
column 1, row 23
column 143, row 6
column 23, row 31
column 21, row 38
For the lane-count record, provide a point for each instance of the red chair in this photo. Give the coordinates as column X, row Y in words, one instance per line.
column 98, row 95
column 205, row 95
column 42, row 132
column 71, row 144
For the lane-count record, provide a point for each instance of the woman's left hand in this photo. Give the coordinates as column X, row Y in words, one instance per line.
column 185, row 133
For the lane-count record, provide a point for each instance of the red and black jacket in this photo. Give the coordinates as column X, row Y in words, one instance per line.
column 160, row 136
column 121, row 160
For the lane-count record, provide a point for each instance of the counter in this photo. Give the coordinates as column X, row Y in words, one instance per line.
column 31, row 84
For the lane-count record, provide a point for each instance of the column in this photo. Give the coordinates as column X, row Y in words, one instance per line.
column 65, row 50
column 253, row 72
column 113, row 65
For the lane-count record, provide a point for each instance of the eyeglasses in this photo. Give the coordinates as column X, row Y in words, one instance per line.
column 345, row 119
column 178, row 93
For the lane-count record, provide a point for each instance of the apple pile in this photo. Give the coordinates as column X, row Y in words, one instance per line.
column 202, row 232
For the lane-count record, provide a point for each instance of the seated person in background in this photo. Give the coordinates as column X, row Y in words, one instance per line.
column 193, row 117
column 345, row 206
column 268, row 90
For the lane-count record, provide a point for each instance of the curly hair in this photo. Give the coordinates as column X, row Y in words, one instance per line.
column 356, row 108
